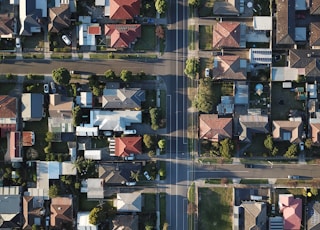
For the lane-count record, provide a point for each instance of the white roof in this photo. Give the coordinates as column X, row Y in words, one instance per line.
column 92, row 154
column 43, row 179
column 129, row 202
column 83, row 222
column 67, row 168
column 54, row 169
column 284, row 74
column 95, row 188
column 260, row 56
column 86, row 39
column 262, row 23
column 86, row 131
column 100, row 2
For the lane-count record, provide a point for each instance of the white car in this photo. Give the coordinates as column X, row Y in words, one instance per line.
column 18, row 43
column 146, row 174
column 46, row 88
column 131, row 157
column 207, row 72
column 301, row 146
column 133, row 131
column 66, row 40
column 131, row 183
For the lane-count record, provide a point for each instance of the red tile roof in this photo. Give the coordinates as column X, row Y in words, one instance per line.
column 124, row 9
column 122, row 35
column 214, row 128
column 226, row 34
column 94, row 30
column 61, row 211
column 7, row 106
column 6, row 128
column 127, row 145
column 15, row 148
column 292, row 211
column 27, row 138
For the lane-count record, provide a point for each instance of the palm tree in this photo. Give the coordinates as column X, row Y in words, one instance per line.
column 78, row 164
column 135, row 175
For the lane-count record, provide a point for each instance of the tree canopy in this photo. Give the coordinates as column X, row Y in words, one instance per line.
column 194, row 3
column 205, row 98
column 96, row 215
column 110, row 74
column 148, row 140
column 125, row 75
column 162, row 144
column 161, row 6
column 292, row 151
column 53, row 191
column 226, row 148
column 76, row 116
column 61, row 76
column 192, row 67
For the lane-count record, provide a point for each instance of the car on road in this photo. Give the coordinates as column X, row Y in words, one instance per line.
column 66, row 40
column 146, row 174
column 301, row 146
column 46, row 88
column 131, row 183
column 293, row 177
column 207, row 72
column 249, row 166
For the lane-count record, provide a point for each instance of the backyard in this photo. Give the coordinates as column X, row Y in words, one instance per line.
column 205, row 37
column 147, row 41
column 215, row 208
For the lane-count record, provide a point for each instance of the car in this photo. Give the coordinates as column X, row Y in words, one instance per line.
column 18, row 43
column 66, row 40
column 131, row 157
column 146, row 174
column 53, row 87
column 46, row 88
column 249, row 166
column 132, row 131
column 293, row 177
column 207, row 72
column 107, row 133
column 131, row 183
column 301, row 146
column 73, row 72
column 47, row 221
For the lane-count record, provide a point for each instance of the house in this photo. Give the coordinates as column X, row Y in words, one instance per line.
column 128, row 145
column 260, row 56
column 306, row 61
column 31, row 13
column 32, row 106
column 313, row 216
column 226, row 8
column 10, row 207
column 85, row 100
column 314, row 124
column 59, row 18
column 128, row 202
column 60, row 125
column 8, row 115
column 7, row 26
column 291, row 208
column 33, row 210
column 287, row 131
column 93, row 154
column 126, row 98
column 60, row 106
column 124, row 9
column 117, row 174
column 61, row 209
column 229, row 67
column 252, row 124
column 255, row 215
column 228, row 34
column 86, row 39
column 314, row 39
column 226, row 106
column 94, row 188
column 285, row 26
column 83, row 222
column 122, row 35
column 241, row 93
column 17, row 140
column 87, row 131
column 284, row 74
column 314, row 7
column 126, row 222
column 262, row 23
column 214, row 128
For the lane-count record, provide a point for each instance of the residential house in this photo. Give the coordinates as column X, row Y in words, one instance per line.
column 126, row 222
column 226, row 106
column 214, row 128
column 285, row 26
column 61, row 209
column 33, row 210
column 85, row 100
column 32, row 106
column 229, row 67
column 260, row 56
column 314, row 39
column 93, row 154
column 287, row 131
column 255, row 215
column 60, row 106
column 262, row 23
column 8, row 26
column 313, row 216
column 284, row 74
column 228, row 34
column 291, row 208
column 10, row 207
column 306, row 61
column 60, row 125
column 126, row 98
column 122, row 35
column 115, row 174
column 124, row 9
column 226, row 8
column 17, row 140
column 83, row 222
column 241, row 93
column 8, row 115
column 314, row 7
column 128, row 202
column 86, row 39
column 314, row 124
column 128, row 145
column 94, row 188
column 252, row 124
column 59, row 18
column 87, row 131
column 31, row 13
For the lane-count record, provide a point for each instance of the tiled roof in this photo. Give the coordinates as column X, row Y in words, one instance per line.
column 15, row 145
column 228, row 67
column 314, row 6
column 31, row 210
column 126, row 98
column 122, row 35
column 307, row 59
column 6, row 25
column 314, row 216
column 315, row 131
column 255, row 215
column 314, row 39
column 292, row 211
column 59, row 18
column 124, row 9
column 288, row 130
column 285, row 22
column 252, row 124
column 61, row 211
column 7, row 106
column 60, row 106
column 94, row 29
column 214, row 128
column 226, row 34
column 127, row 145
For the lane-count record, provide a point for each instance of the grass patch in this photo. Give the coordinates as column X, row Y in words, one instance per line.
column 3, row 148
column 85, row 204
column 217, row 181
column 205, row 63
column 61, row 56
column 148, row 39
column 150, row 102
column 7, row 55
column 123, row 56
column 33, row 55
column 205, row 37
column 192, row 193
column 254, row 181
column 59, row 147
column 257, row 145
column 162, row 198
column 6, row 88
column 205, row 9
column 163, row 103
column 162, row 45
column 257, row 45
column 35, row 41
column 215, row 160
column 191, row 37
column 163, row 167
column 226, row 89
column 282, row 62
column 215, row 208
column 149, row 202
column 99, row 143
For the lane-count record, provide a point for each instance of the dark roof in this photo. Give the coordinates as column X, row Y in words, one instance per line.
column 285, row 22
column 122, row 98
column 116, row 174
column 308, row 59
column 252, row 124
column 314, row 6
column 8, row 106
column 59, row 18
column 6, row 24
column 314, row 34
column 30, row 212
column 36, row 105
column 224, row 8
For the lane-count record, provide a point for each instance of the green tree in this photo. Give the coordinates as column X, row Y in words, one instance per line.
column 192, row 67
column 162, row 172
column 314, row 191
column 96, row 91
column 308, row 143
column 96, row 215
column 135, row 175
column 148, row 226
column 49, row 137
column 292, row 151
column 162, row 144
column 154, row 116
column 53, row 191
column 205, row 98
column 66, row 179
column 77, row 185
column 109, row 74
column 268, row 143
column 274, row 151
column 226, row 148
column 9, row 76
column 125, row 75
column 194, row 3
column 76, row 116
column 151, row 153
column 61, row 76
column 161, row 6
column 148, row 141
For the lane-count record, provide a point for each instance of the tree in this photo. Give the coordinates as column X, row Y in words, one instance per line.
column 148, row 141
column 226, row 148
column 66, row 179
column 162, row 172
column 274, row 151
column 161, row 6
column 76, row 116
column 268, row 143
column 314, row 191
column 53, row 191
column 96, row 215
column 160, row 31
column 96, row 91
column 162, row 144
column 192, row 67
column 135, row 175
column 154, row 116
column 291, row 152
column 194, row 3
column 61, row 76
column 148, row 226
column 49, row 137
column 308, row 143
column 125, row 75
column 151, row 153
column 205, row 98
column 110, row 74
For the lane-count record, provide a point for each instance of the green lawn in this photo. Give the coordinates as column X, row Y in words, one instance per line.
column 61, row 56
column 163, row 103
column 257, row 146
column 191, row 37
column 149, row 202
column 6, row 88
column 150, row 99
column 205, row 63
column 99, row 143
column 205, row 37
column 162, row 197
column 3, row 148
column 163, row 166
column 216, row 181
column 206, row 8
column 263, row 10
column 254, row 181
column 191, row 193
column 35, row 41
column 215, row 208
column 33, row 55
column 85, row 204
column 147, row 41
column 59, row 147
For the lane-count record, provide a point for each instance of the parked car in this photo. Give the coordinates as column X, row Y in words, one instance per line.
column 53, row 87
column 207, row 72
column 131, row 183
column 66, row 40
column 131, row 157
column 301, row 146
column 132, row 131
column 18, row 44
column 146, row 174
column 293, row 177
column 107, row 133
column 249, row 166
column 46, row 88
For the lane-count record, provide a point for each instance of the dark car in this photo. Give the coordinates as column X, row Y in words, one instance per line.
column 249, row 166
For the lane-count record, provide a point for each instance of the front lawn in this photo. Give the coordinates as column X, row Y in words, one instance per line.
column 6, row 88
column 205, row 37
column 254, row 181
column 99, row 143
column 206, row 8
column 33, row 42
column 215, row 208
column 191, row 37
column 162, row 197
column 148, row 39
column 149, row 202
